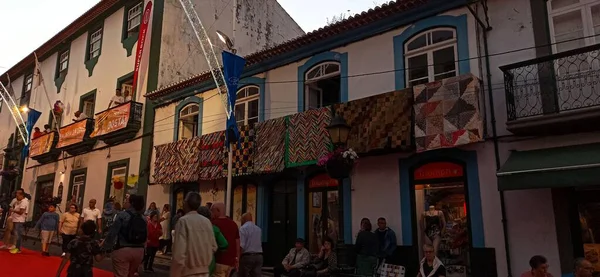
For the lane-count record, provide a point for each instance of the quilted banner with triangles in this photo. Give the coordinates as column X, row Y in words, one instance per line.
column 269, row 146
column 307, row 138
column 177, row 162
column 211, row 154
column 447, row 113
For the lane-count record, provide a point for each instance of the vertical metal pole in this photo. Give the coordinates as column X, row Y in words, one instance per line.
column 234, row 21
column 341, row 238
column 229, row 191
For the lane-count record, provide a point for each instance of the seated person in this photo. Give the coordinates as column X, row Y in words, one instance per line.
column 296, row 259
column 326, row 262
column 539, row 267
column 431, row 266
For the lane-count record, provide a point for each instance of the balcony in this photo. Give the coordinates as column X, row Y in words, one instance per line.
column 43, row 149
column 553, row 95
column 75, row 137
column 119, row 123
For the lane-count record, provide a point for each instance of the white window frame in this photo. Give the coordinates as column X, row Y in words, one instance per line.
column 63, row 61
column 132, row 14
column 76, row 188
column 428, row 49
column 245, row 100
column 28, row 82
column 95, row 39
column 310, row 82
column 585, row 9
column 187, row 115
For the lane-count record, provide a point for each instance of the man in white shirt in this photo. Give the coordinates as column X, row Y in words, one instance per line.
column 79, row 116
column 116, row 100
column 92, row 213
column 18, row 215
column 251, row 260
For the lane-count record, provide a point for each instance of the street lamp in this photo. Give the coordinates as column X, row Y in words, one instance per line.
column 338, row 131
column 228, row 42
column 24, row 109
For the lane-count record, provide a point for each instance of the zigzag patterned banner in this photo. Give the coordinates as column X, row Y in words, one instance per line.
column 307, row 138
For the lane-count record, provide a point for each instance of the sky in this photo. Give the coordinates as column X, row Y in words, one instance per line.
column 27, row 24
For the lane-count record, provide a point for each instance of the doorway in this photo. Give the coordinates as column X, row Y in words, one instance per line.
column 243, row 201
column 283, row 218
column 43, row 192
column 440, row 208
column 323, row 203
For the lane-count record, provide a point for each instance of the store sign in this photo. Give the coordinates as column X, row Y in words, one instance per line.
column 111, row 120
column 439, row 170
column 322, row 181
column 41, row 145
column 71, row 134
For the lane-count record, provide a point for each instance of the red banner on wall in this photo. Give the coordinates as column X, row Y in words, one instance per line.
column 140, row 45
column 439, row 170
column 322, row 181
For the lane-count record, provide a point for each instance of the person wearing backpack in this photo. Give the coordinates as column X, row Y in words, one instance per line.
column 127, row 236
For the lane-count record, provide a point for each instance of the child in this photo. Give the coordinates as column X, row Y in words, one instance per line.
column 154, row 233
column 48, row 224
column 82, row 252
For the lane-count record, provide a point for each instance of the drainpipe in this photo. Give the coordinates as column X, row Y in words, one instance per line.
column 486, row 29
column 496, row 148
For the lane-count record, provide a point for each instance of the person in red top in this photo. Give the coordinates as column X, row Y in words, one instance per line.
column 154, row 233
column 226, row 260
column 37, row 133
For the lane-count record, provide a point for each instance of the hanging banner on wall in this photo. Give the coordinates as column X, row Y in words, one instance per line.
column 140, row 45
column 438, row 170
column 322, row 181
column 41, row 145
column 71, row 134
column 111, row 120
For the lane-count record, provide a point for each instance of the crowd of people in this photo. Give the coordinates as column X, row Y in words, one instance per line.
column 204, row 241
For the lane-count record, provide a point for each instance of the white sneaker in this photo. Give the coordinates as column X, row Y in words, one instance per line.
column 63, row 254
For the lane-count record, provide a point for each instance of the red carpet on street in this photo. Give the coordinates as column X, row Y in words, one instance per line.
column 31, row 264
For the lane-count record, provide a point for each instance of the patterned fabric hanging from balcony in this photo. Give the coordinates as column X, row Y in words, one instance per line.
column 243, row 153
column 178, row 161
column 379, row 122
column 447, row 113
column 211, row 154
column 270, row 142
column 307, row 139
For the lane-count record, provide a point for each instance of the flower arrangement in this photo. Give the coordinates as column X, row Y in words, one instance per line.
column 340, row 155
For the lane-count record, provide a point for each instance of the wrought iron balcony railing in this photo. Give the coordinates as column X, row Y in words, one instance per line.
column 554, row 84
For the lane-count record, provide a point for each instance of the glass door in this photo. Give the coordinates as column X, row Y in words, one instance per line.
column 323, row 203
column 78, row 190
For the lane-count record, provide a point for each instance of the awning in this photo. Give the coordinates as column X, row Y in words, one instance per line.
column 570, row 166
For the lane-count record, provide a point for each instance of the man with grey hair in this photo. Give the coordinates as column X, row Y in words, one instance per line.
column 583, row 268
column 195, row 242
column 251, row 260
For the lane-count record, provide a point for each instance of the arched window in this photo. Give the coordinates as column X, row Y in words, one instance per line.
column 322, row 85
column 188, row 121
column 431, row 56
column 246, row 105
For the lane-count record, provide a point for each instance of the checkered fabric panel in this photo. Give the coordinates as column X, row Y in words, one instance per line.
column 178, row 161
column 379, row 122
column 211, row 153
column 243, row 153
column 447, row 113
column 307, row 138
column 270, row 146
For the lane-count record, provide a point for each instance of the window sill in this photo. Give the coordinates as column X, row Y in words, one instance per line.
column 129, row 42
column 90, row 64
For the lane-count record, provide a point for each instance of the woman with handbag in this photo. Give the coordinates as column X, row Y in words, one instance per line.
column 326, row 262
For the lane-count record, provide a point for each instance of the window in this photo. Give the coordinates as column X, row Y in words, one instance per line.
column 95, row 44
column 27, row 86
column 322, row 85
column 118, row 183
column 246, row 107
column 573, row 19
column 431, row 56
column 88, row 104
column 28, row 83
column 134, row 18
column 77, row 190
column 63, row 61
column 188, row 121
column 125, row 83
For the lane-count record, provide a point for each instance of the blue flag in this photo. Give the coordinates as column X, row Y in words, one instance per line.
column 233, row 65
column 32, row 118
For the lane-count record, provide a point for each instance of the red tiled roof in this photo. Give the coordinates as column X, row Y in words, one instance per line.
column 63, row 36
column 358, row 20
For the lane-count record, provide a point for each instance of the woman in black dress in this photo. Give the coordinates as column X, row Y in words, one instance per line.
column 431, row 266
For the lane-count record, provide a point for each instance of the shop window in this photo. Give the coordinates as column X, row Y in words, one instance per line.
column 431, row 56
column 323, row 214
column 188, row 121
column 118, row 182
column 323, row 85
column 441, row 213
column 246, row 107
column 575, row 23
column 244, row 201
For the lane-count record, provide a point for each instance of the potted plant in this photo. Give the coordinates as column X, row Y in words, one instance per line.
column 339, row 163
